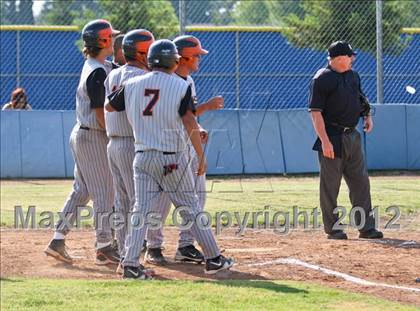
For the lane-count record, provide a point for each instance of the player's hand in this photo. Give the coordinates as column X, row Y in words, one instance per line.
column 368, row 124
column 328, row 149
column 202, row 166
column 215, row 103
column 204, row 135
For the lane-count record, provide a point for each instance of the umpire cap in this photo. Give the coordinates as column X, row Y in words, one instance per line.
column 163, row 53
column 98, row 33
column 189, row 46
column 137, row 41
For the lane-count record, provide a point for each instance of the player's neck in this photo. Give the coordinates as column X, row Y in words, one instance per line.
column 182, row 72
column 138, row 64
column 164, row 70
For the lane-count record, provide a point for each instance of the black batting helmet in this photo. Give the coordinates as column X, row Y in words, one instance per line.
column 163, row 53
column 98, row 33
column 137, row 41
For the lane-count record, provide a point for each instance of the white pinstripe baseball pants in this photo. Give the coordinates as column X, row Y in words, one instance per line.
column 92, row 180
column 155, row 237
column 179, row 186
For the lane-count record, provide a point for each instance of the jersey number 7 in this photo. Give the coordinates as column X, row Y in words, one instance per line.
column 148, row 111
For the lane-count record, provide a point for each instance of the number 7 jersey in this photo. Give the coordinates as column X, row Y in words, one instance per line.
column 154, row 104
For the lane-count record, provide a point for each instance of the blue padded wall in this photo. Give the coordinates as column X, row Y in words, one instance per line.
column 69, row 120
column 36, row 143
column 42, row 144
column 298, row 138
column 261, row 142
column 387, row 143
column 224, row 154
column 11, row 161
column 413, row 136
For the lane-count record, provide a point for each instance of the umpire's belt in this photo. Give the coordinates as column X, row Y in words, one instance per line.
column 341, row 128
column 164, row 152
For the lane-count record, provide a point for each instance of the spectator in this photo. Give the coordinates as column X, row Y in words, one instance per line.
column 18, row 101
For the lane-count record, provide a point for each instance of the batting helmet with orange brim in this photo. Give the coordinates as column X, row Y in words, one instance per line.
column 98, row 33
column 137, row 41
column 189, row 46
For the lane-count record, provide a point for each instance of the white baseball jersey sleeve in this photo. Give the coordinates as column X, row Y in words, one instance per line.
column 116, row 122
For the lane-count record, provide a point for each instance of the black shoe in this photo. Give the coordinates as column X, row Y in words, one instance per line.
column 114, row 245
column 189, row 254
column 136, row 273
column 107, row 255
column 371, row 234
column 58, row 250
column 154, row 256
column 144, row 248
column 217, row 264
column 337, row 235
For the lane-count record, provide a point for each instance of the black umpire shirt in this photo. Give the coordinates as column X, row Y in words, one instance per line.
column 337, row 95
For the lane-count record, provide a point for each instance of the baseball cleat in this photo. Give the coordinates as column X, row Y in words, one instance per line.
column 337, row 235
column 58, row 250
column 217, row 264
column 137, row 273
column 107, row 255
column 154, row 256
column 371, row 234
column 189, row 254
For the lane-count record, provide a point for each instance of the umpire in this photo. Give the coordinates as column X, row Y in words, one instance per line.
column 336, row 103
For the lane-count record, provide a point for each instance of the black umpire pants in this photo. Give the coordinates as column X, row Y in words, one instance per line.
column 352, row 166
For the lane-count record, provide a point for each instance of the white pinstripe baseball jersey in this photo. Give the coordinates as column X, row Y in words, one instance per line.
column 152, row 103
column 116, row 122
column 85, row 115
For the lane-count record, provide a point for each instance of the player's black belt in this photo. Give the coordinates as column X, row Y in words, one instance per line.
column 84, row 128
column 164, row 152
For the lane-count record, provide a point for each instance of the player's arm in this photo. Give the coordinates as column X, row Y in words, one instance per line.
column 116, row 100
column 214, row 103
column 316, row 106
column 96, row 92
column 186, row 111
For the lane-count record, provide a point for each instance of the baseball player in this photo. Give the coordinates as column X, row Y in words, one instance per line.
column 159, row 108
column 190, row 50
column 120, row 149
column 88, row 141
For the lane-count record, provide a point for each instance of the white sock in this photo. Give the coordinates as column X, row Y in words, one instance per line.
column 58, row 236
column 100, row 245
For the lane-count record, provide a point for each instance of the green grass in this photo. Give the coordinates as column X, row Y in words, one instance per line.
column 43, row 294
column 232, row 194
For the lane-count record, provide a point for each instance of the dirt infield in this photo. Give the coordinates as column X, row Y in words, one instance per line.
column 393, row 261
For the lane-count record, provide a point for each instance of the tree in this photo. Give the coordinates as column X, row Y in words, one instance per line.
column 17, row 12
column 8, row 12
column 354, row 21
column 252, row 13
column 70, row 12
column 157, row 16
column 265, row 12
column 216, row 12
column 25, row 16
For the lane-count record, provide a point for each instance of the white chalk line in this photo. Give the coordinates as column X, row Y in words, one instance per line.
column 347, row 277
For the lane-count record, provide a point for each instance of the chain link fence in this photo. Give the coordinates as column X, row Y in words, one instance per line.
column 263, row 54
